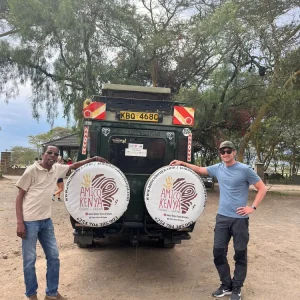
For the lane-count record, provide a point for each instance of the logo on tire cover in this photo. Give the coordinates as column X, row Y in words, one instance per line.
column 177, row 195
column 97, row 192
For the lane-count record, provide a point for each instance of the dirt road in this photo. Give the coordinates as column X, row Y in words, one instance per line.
column 116, row 270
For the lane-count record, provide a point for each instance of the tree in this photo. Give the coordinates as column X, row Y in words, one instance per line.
column 259, row 85
column 68, row 48
column 237, row 60
column 60, row 50
column 38, row 140
column 23, row 155
column 6, row 28
column 274, row 40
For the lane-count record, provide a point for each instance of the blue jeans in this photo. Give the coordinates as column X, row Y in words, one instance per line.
column 44, row 232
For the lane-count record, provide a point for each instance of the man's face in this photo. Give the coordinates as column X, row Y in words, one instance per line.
column 50, row 156
column 227, row 154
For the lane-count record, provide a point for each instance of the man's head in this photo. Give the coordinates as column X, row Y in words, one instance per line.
column 50, row 155
column 227, row 152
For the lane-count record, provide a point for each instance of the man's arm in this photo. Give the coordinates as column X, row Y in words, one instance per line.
column 261, row 192
column 199, row 170
column 21, row 231
column 83, row 162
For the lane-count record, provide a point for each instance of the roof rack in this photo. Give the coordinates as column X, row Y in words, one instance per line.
column 135, row 92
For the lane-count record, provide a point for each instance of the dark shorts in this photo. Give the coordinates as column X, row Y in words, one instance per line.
column 60, row 180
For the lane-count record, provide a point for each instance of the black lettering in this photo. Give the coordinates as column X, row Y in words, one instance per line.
column 127, row 116
column 122, row 115
column 133, row 116
column 156, row 117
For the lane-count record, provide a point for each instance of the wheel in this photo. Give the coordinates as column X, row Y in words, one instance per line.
column 167, row 184
column 111, row 181
column 80, row 245
column 169, row 246
column 165, row 244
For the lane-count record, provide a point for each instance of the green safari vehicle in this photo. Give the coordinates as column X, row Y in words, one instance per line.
column 131, row 115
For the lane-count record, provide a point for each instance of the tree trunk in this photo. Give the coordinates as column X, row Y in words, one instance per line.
column 294, row 159
column 154, row 71
column 252, row 129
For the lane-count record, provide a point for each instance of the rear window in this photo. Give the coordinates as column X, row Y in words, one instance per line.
column 139, row 155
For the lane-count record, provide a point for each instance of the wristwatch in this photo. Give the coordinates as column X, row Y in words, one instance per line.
column 254, row 207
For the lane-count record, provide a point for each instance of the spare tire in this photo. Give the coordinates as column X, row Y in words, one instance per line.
column 175, row 196
column 97, row 194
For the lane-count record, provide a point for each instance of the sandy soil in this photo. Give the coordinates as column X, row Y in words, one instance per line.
column 115, row 270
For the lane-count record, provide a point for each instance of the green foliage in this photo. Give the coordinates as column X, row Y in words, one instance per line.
column 209, row 53
column 23, row 155
column 38, row 140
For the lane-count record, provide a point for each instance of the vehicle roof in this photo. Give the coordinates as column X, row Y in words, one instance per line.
column 134, row 88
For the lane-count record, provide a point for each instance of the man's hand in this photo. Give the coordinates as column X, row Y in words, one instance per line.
column 243, row 211
column 21, row 231
column 176, row 163
column 101, row 159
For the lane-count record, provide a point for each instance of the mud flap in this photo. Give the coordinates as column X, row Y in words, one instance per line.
column 83, row 239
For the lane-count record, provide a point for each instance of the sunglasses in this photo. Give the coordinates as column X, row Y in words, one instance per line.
column 50, row 153
column 226, row 151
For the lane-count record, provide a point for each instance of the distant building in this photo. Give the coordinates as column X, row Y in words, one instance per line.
column 68, row 145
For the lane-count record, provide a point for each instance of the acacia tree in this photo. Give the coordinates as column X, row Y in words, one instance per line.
column 273, row 39
column 6, row 28
column 66, row 49
column 255, row 76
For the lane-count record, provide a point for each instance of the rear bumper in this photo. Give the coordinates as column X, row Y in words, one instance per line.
column 152, row 230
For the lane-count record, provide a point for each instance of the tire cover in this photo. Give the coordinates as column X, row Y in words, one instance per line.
column 97, row 194
column 175, row 196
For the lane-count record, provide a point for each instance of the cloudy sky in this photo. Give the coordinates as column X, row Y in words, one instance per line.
column 17, row 123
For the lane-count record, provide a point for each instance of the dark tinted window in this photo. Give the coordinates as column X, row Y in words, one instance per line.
column 140, row 155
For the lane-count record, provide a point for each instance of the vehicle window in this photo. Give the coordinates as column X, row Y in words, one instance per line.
column 139, row 155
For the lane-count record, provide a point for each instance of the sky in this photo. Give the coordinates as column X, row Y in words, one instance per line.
column 17, row 123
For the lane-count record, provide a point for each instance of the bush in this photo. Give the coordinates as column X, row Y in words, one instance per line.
column 276, row 176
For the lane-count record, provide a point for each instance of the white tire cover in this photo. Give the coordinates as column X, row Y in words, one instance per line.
column 175, row 196
column 97, row 194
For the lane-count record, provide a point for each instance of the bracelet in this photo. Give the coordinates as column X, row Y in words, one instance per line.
column 254, row 207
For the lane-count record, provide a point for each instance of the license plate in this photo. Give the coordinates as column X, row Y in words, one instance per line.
column 139, row 116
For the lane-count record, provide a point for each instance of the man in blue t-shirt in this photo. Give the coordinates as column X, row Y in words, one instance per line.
column 232, row 220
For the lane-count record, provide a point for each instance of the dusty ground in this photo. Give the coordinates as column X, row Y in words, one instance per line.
column 118, row 271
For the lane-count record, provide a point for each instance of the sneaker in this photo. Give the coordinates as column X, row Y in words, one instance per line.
column 222, row 291
column 57, row 297
column 33, row 297
column 53, row 198
column 236, row 294
column 59, row 200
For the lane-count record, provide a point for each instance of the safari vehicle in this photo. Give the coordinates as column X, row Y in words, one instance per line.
column 208, row 182
column 131, row 115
